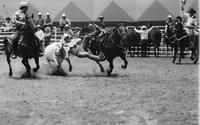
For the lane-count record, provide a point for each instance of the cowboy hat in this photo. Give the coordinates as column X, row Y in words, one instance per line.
column 101, row 17
column 63, row 15
column 169, row 16
column 23, row 4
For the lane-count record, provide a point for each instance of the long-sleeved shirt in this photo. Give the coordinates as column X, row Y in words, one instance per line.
column 143, row 33
column 64, row 21
column 40, row 21
column 189, row 21
column 19, row 19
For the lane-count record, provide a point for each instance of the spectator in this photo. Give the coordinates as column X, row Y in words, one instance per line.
column 68, row 31
column 8, row 24
column 144, row 39
column 47, row 36
column 40, row 20
column 169, row 23
column 63, row 22
column 40, row 35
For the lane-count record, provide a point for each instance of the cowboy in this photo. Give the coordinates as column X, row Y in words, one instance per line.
column 40, row 38
column 47, row 36
column 40, row 20
column 101, row 22
column 190, row 23
column 8, row 24
column 75, row 47
column 144, row 37
column 63, row 22
column 19, row 19
column 48, row 20
column 68, row 31
column 143, row 32
column 169, row 23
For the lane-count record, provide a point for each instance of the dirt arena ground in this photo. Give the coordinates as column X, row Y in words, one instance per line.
column 151, row 91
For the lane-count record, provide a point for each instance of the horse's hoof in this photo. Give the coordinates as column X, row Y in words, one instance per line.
column 123, row 67
column 35, row 69
column 108, row 73
column 10, row 73
column 179, row 63
column 102, row 70
column 195, row 61
column 70, row 69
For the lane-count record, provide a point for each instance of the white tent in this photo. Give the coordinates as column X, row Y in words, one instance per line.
column 113, row 10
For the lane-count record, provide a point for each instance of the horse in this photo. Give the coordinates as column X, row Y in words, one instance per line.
column 110, row 44
column 131, row 39
column 27, row 48
column 55, row 52
column 169, row 37
column 154, row 37
column 182, row 41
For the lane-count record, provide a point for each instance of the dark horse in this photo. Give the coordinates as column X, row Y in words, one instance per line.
column 27, row 48
column 169, row 38
column 182, row 41
column 154, row 37
column 131, row 40
column 111, row 45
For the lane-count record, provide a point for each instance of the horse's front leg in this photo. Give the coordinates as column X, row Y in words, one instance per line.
column 37, row 64
column 175, row 53
column 111, row 66
column 101, row 67
column 28, row 68
column 123, row 57
column 70, row 65
column 181, row 54
column 8, row 60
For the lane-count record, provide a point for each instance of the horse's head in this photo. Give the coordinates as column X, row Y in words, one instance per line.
column 29, row 27
column 116, row 34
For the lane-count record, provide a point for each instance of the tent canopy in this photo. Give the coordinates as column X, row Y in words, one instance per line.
column 112, row 10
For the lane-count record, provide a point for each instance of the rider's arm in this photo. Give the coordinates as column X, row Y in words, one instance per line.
column 69, row 23
column 16, row 20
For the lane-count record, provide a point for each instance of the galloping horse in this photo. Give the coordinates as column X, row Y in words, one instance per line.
column 182, row 41
column 27, row 48
column 111, row 45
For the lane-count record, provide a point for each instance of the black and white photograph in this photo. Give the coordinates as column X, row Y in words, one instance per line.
column 99, row 62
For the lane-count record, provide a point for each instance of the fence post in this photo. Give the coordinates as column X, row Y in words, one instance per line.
column 55, row 33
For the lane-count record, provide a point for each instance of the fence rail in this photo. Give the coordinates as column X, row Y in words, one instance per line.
column 56, row 35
